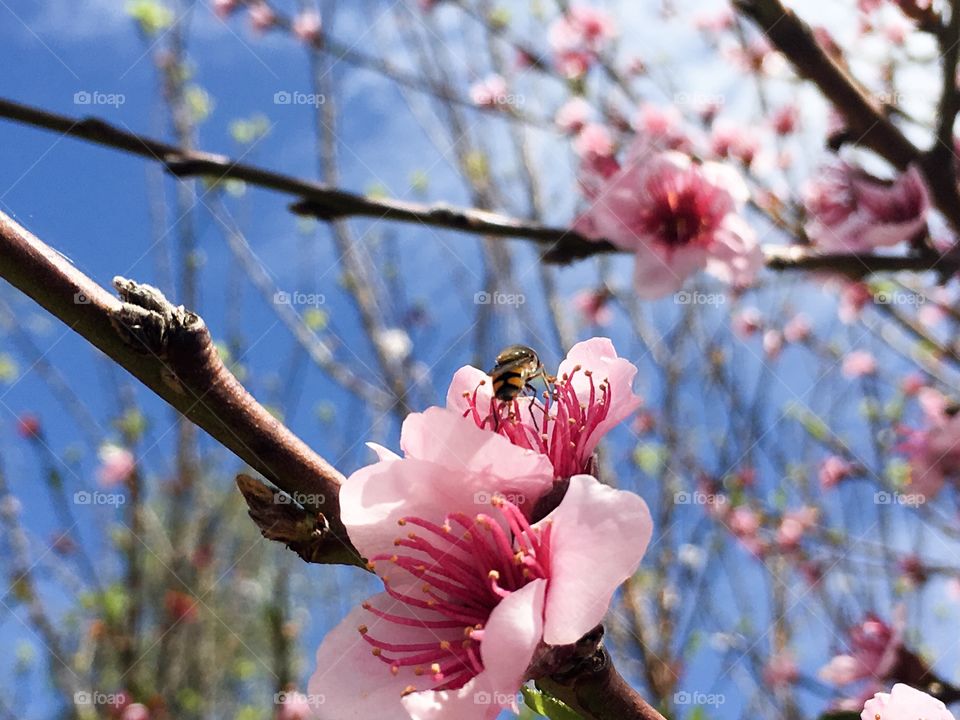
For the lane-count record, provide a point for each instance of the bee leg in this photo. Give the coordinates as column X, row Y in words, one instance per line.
column 530, row 407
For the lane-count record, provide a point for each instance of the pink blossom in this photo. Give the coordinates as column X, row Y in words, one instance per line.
column 593, row 306
column 785, row 119
column 850, row 211
column 859, row 363
column 224, row 8
column 833, row 470
column 593, row 141
column 934, row 450
column 592, row 394
column 714, row 21
column 676, row 217
column 293, row 706
column 135, row 711
column 798, row 329
column 660, row 128
column 874, row 649
column 854, row 296
column 904, row 703
column 781, row 670
column 733, row 141
column 116, row 465
column 577, row 37
column 794, row 525
column 474, row 594
column 912, row 384
column 573, row 115
column 746, row 322
column 306, row 27
column 744, row 521
column 489, row 92
column 262, row 17
column 772, row 343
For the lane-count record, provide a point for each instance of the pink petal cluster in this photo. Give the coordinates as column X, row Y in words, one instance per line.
column 781, row 670
column 934, row 450
column 473, row 591
column 850, row 211
column 593, row 394
column 593, row 306
column 307, row 26
column 224, row 8
column 833, row 471
column 573, row 115
column 262, row 17
column 794, row 525
column 905, row 703
column 676, row 216
column 489, row 92
column 116, row 465
column 859, row 363
column 577, row 37
column 874, row 649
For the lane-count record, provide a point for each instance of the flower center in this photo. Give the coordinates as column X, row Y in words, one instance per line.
column 560, row 427
column 466, row 567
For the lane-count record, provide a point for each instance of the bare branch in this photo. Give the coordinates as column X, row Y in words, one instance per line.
column 169, row 349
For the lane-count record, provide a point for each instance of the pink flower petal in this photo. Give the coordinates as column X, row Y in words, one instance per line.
column 598, row 538
column 352, row 683
column 510, row 639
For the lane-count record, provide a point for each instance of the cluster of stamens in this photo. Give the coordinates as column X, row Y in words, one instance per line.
column 559, row 426
column 467, row 566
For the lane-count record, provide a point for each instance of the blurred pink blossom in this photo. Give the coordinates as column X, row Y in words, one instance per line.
column 116, row 465
column 781, row 670
column 854, row 296
column 797, row 329
column 874, row 649
column 850, row 211
column 294, row 706
column 224, row 8
column 307, row 26
column 573, row 115
column 136, row 711
column 772, row 343
column 677, row 217
column 593, row 306
column 594, row 141
column 746, row 322
column 262, row 17
column 859, row 363
column 833, row 471
column 489, row 92
column 934, row 450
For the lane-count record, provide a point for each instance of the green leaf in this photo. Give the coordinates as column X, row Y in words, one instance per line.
column 153, row 17
column 8, row 368
column 547, row 705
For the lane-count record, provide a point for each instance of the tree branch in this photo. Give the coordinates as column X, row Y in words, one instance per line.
column 868, row 124
column 561, row 245
column 169, row 349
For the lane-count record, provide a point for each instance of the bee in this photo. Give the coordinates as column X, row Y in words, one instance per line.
column 515, row 367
